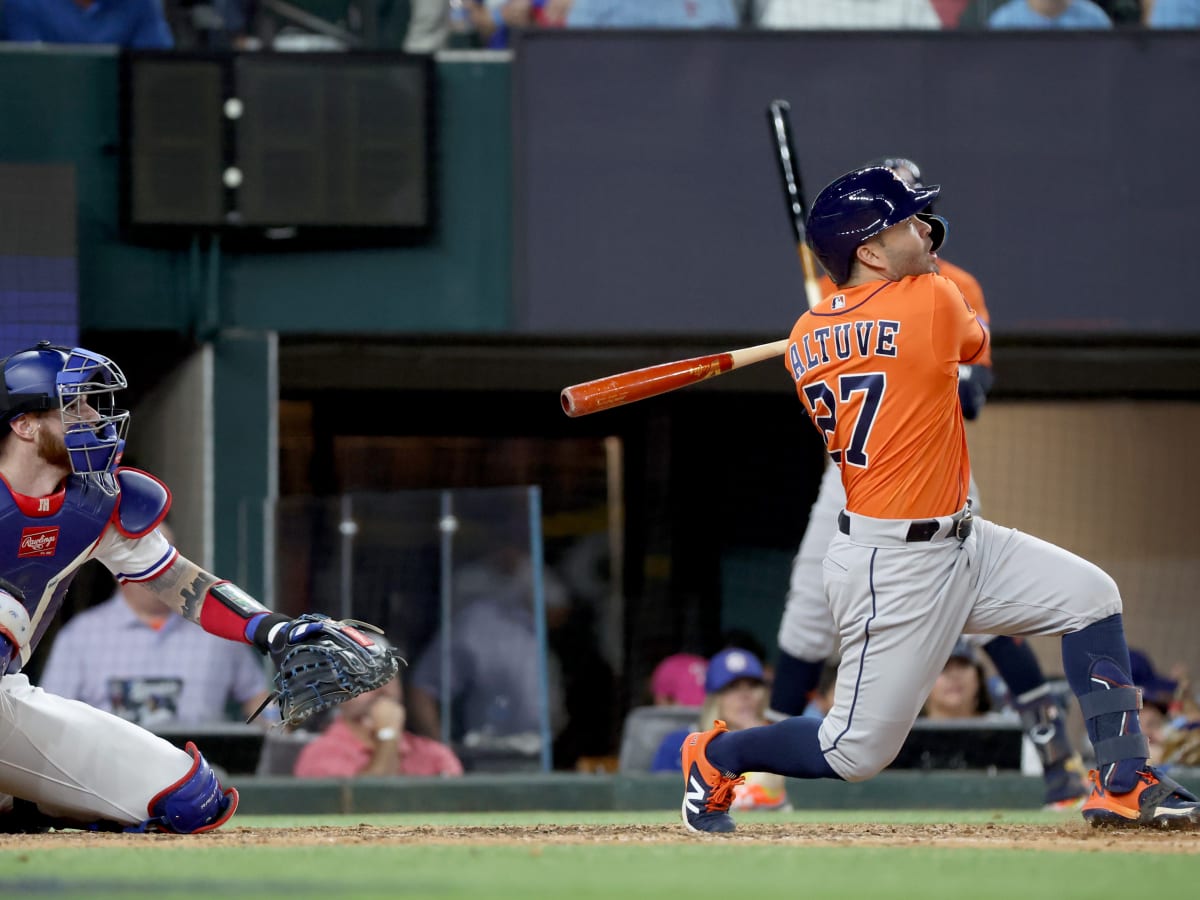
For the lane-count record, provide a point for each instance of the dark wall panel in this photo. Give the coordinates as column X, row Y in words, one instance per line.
column 648, row 200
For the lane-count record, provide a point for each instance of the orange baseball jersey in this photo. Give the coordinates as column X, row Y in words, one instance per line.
column 967, row 283
column 876, row 367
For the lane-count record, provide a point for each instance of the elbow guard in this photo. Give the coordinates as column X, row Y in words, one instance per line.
column 15, row 627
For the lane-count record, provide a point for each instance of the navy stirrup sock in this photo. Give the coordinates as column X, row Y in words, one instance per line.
column 790, row 748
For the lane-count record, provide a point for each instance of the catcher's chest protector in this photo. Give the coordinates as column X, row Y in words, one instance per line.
column 44, row 541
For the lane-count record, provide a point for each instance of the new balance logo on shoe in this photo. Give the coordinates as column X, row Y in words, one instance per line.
column 694, row 797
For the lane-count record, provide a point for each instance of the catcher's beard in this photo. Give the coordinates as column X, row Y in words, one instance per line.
column 53, row 449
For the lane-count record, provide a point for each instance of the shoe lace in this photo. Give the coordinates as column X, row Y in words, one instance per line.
column 1148, row 776
column 721, row 797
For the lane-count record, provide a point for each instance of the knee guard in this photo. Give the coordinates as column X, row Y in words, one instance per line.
column 193, row 804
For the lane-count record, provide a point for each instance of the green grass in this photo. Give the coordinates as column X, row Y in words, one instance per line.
column 623, row 870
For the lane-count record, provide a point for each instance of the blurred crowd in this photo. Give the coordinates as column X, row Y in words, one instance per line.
column 424, row 26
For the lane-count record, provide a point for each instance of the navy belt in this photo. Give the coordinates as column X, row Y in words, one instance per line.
column 920, row 530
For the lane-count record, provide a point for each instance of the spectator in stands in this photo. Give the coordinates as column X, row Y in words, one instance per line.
column 659, row 14
column 133, row 657
column 960, row 691
column 679, row 680
column 493, row 650
column 138, row 24
column 736, row 693
column 801, row 14
column 1049, row 14
column 1174, row 14
column 367, row 737
column 1122, row 13
column 490, row 21
column 1168, row 706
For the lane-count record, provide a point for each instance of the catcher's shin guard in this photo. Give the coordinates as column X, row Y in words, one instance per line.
column 193, row 804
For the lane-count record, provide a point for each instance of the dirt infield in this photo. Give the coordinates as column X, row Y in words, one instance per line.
column 1076, row 837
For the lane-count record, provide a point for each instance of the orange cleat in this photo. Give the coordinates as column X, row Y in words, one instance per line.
column 1156, row 802
column 707, row 791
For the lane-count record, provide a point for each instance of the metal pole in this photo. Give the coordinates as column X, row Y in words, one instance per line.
column 447, row 526
column 537, row 562
column 347, row 528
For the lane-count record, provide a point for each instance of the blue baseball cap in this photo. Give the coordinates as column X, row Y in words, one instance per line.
column 730, row 665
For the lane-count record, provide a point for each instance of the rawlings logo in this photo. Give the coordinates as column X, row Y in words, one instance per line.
column 38, row 542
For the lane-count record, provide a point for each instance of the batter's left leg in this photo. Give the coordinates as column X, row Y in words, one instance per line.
column 1029, row 586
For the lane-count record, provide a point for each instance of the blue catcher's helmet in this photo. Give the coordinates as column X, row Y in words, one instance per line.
column 858, row 206
column 81, row 385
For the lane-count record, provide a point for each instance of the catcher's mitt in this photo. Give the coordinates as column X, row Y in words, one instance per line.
column 320, row 662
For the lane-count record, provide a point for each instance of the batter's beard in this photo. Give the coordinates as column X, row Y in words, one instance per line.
column 52, row 449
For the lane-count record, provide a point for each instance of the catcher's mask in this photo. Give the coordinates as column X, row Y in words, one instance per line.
column 82, row 386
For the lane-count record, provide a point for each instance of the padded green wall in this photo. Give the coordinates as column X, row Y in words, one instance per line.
column 66, row 110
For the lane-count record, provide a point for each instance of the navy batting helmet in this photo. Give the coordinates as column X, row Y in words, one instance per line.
column 82, row 386
column 858, row 206
column 903, row 166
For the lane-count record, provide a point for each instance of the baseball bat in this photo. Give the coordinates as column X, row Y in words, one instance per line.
column 780, row 120
column 638, row 384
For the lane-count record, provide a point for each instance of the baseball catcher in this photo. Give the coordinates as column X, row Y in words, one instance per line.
column 65, row 499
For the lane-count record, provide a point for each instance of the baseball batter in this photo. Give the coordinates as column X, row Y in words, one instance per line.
column 66, row 500
column 807, row 636
column 910, row 568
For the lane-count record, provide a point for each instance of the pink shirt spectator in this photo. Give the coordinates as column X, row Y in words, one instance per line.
column 338, row 753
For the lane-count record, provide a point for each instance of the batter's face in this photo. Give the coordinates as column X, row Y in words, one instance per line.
column 900, row 251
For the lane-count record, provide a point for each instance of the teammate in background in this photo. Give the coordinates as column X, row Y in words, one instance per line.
column 807, row 637
column 910, row 568
column 66, row 500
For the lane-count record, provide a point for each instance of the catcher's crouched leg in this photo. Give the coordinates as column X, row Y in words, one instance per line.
column 195, row 803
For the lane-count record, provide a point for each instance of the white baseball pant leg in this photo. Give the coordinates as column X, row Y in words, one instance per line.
column 901, row 606
column 79, row 763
